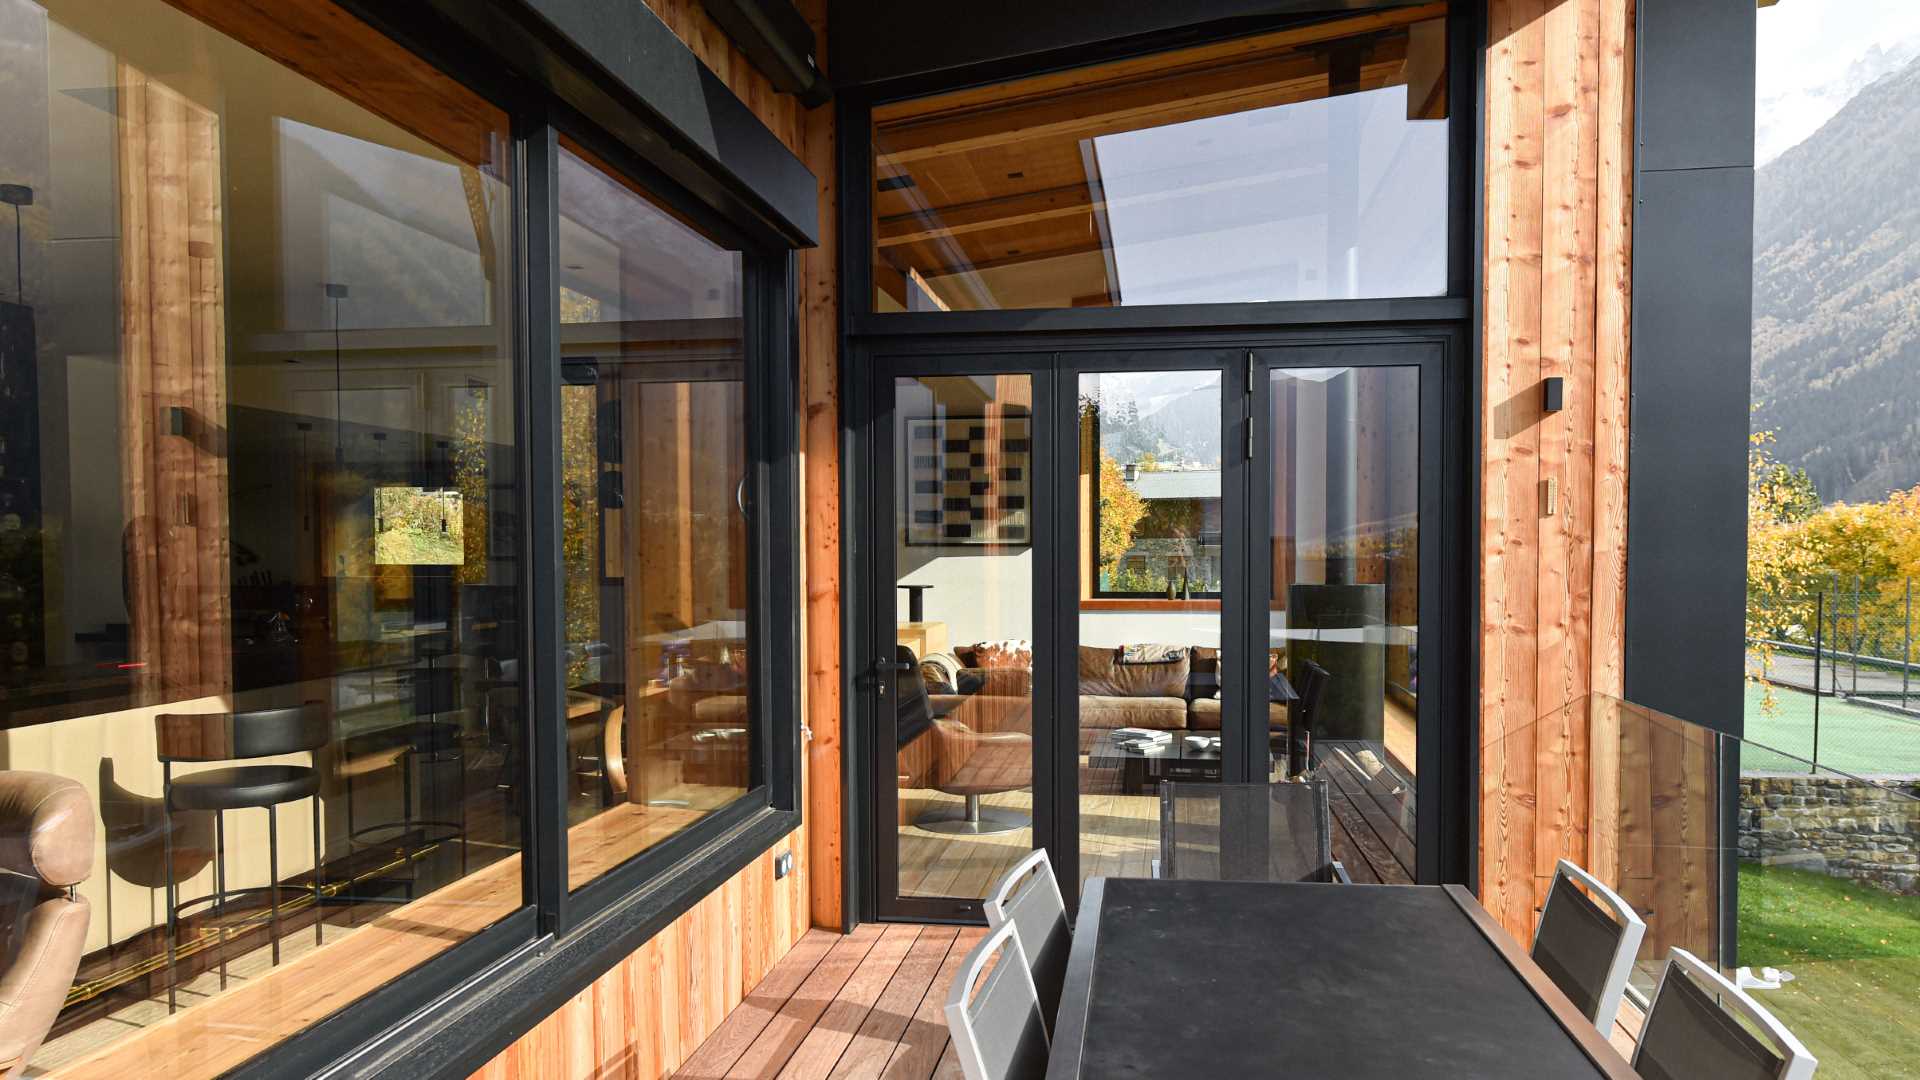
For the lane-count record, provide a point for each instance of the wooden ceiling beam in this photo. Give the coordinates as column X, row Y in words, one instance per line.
column 1099, row 110
column 1003, row 212
column 1077, row 247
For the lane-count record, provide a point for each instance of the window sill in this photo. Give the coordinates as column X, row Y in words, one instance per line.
column 1146, row 604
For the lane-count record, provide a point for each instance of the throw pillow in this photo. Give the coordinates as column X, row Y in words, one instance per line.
column 1152, row 654
column 1007, row 653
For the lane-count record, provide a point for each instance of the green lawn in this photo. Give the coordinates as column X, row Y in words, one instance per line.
column 1854, row 739
column 1855, row 954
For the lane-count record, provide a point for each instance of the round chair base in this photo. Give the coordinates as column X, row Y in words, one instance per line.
column 977, row 820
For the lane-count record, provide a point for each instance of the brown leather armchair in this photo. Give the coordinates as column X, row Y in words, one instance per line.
column 46, row 848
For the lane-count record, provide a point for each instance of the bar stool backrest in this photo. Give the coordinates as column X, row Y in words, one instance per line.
column 256, row 733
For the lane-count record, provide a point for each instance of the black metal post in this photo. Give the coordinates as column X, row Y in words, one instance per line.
column 1855, row 650
column 1819, row 624
column 1906, row 645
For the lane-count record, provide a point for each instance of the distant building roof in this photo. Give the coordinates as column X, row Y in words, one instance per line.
column 1184, row 484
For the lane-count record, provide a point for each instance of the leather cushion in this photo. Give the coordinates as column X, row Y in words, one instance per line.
column 46, row 827
column 1101, row 675
column 1205, row 715
column 1109, row 711
column 243, row 786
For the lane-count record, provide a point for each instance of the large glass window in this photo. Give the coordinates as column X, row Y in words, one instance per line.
column 1305, row 164
column 654, row 506
column 258, row 577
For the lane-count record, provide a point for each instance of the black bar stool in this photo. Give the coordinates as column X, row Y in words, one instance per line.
column 202, row 737
column 420, row 742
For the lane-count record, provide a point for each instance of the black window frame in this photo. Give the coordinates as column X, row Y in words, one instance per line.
column 450, row 1015
column 853, row 125
column 1447, row 847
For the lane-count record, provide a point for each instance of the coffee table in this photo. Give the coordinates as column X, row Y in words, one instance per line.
column 1142, row 770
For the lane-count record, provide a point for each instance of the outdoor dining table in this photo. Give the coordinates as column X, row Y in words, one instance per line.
column 1229, row 978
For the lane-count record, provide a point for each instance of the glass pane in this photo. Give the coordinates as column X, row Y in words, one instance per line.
column 1306, row 164
column 653, row 494
column 1150, row 649
column 963, row 521
column 259, row 596
column 1344, row 621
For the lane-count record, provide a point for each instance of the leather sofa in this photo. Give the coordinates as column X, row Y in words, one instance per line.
column 1180, row 695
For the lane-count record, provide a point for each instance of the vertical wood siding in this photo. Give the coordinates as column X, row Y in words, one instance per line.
column 1558, row 161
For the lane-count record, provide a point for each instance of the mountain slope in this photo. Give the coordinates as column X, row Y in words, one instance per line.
column 1836, row 295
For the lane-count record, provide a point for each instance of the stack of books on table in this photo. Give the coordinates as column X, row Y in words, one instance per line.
column 1141, row 738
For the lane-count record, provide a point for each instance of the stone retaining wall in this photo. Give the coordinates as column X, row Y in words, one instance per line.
column 1846, row 828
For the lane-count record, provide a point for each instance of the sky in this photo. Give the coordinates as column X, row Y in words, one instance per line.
column 1816, row 54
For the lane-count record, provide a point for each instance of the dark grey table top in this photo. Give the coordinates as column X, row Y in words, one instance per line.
column 1229, row 979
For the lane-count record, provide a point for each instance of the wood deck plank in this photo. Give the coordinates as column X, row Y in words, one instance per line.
column 783, row 1034
column 925, row 1037
column 867, row 1055
column 820, row 1050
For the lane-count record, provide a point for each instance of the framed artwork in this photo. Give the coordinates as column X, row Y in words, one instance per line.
column 969, row 480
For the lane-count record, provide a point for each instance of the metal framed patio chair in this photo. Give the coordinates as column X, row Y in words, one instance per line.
column 1028, row 898
column 998, row 1033
column 1586, row 942
column 1700, row 1024
column 1248, row 832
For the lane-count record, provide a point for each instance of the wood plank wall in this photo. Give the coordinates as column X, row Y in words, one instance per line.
column 655, row 1007
column 1553, row 511
column 643, row 1018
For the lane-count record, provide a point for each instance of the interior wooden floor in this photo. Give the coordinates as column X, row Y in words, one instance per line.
column 216, row 1030
column 1372, row 791
column 866, row 1006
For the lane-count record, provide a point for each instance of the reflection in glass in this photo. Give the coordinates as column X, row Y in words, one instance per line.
column 963, row 708
column 256, row 454
column 1306, row 164
column 1150, row 648
column 1343, row 631
column 654, row 479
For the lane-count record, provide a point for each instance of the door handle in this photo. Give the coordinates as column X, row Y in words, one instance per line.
column 882, row 672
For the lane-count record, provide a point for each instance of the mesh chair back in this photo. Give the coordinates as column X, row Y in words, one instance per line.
column 1586, row 949
column 1691, row 1031
column 1029, row 898
column 1246, row 832
column 997, row 1030
column 1302, row 714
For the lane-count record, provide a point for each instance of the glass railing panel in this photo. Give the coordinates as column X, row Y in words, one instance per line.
column 1799, row 880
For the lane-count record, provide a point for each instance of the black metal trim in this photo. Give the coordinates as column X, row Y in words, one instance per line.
column 538, row 209
column 1162, row 317
column 1464, row 852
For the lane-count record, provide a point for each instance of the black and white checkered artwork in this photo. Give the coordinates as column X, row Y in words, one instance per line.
column 967, row 479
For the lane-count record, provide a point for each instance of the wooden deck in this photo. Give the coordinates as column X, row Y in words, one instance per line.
column 1372, row 811
column 868, row 1005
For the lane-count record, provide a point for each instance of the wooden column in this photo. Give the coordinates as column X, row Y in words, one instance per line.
column 1553, row 510
column 173, row 390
